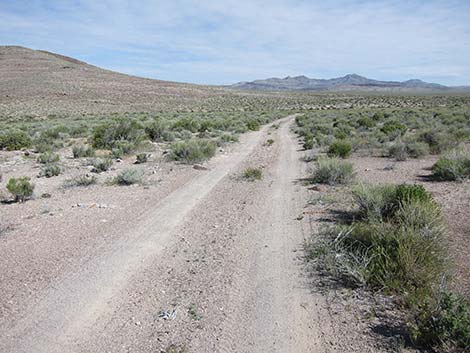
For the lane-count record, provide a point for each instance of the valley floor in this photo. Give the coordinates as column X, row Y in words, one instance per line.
column 206, row 262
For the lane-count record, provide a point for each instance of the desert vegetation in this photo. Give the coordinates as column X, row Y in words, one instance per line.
column 398, row 133
column 392, row 239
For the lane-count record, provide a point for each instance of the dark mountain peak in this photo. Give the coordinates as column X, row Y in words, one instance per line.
column 347, row 82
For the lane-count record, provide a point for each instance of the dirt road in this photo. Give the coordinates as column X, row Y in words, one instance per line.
column 214, row 267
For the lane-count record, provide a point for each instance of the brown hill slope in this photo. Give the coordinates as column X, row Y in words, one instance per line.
column 38, row 82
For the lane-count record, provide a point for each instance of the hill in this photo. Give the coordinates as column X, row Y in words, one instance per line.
column 351, row 82
column 40, row 82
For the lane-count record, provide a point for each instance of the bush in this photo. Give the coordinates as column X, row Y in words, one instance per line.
column 20, row 188
column 417, row 149
column 402, row 254
column 82, row 180
column 48, row 157
column 155, row 130
column 378, row 202
column 366, row 122
column 253, row 125
column 444, row 322
column 401, row 151
column 252, row 174
column 309, row 143
column 142, row 158
column 437, row 141
column 393, row 128
column 227, row 138
column 340, row 149
column 398, row 151
column 101, row 164
column 453, row 166
column 50, row 170
column 129, row 177
column 196, row 150
column 12, row 140
column 332, row 171
column 82, row 151
column 115, row 134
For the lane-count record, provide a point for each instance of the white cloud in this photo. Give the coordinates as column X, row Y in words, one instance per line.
column 227, row 40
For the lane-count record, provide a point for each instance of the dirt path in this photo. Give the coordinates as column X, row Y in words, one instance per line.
column 272, row 300
column 223, row 254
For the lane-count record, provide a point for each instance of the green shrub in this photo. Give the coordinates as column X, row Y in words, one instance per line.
column 117, row 134
column 332, row 171
column 227, row 138
column 12, row 140
column 155, row 130
column 129, row 177
column 374, row 201
column 437, row 141
column 366, row 122
column 309, row 143
column 21, row 188
column 393, row 129
column 453, row 166
column 83, row 151
column 253, row 125
column 101, row 164
column 378, row 202
column 252, row 174
column 50, row 170
column 404, row 254
column 444, row 322
column 340, row 149
column 48, row 157
column 269, row 142
column 196, row 150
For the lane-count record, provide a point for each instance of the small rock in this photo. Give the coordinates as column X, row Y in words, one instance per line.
column 319, row 188
column 199, row 167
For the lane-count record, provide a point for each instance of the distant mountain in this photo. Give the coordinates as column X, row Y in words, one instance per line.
column 345, row 83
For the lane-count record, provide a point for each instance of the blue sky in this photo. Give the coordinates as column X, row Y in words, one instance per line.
column 225, row 41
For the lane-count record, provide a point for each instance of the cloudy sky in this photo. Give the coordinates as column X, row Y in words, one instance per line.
column 225, row 41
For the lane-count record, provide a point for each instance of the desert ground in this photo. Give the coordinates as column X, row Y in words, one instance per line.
column 168, row 217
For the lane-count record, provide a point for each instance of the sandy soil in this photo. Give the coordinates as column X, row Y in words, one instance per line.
column 201, row 261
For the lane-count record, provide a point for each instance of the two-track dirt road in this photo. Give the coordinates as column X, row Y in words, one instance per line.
column 219, row 255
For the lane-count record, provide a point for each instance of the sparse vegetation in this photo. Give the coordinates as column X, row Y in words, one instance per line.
column 21, row 188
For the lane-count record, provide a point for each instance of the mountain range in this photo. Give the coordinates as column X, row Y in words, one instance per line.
column 345, row 83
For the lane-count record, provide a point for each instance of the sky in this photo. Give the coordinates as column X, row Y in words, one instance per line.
column 226, row 41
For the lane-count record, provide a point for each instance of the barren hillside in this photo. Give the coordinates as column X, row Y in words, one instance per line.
column 35, row 82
